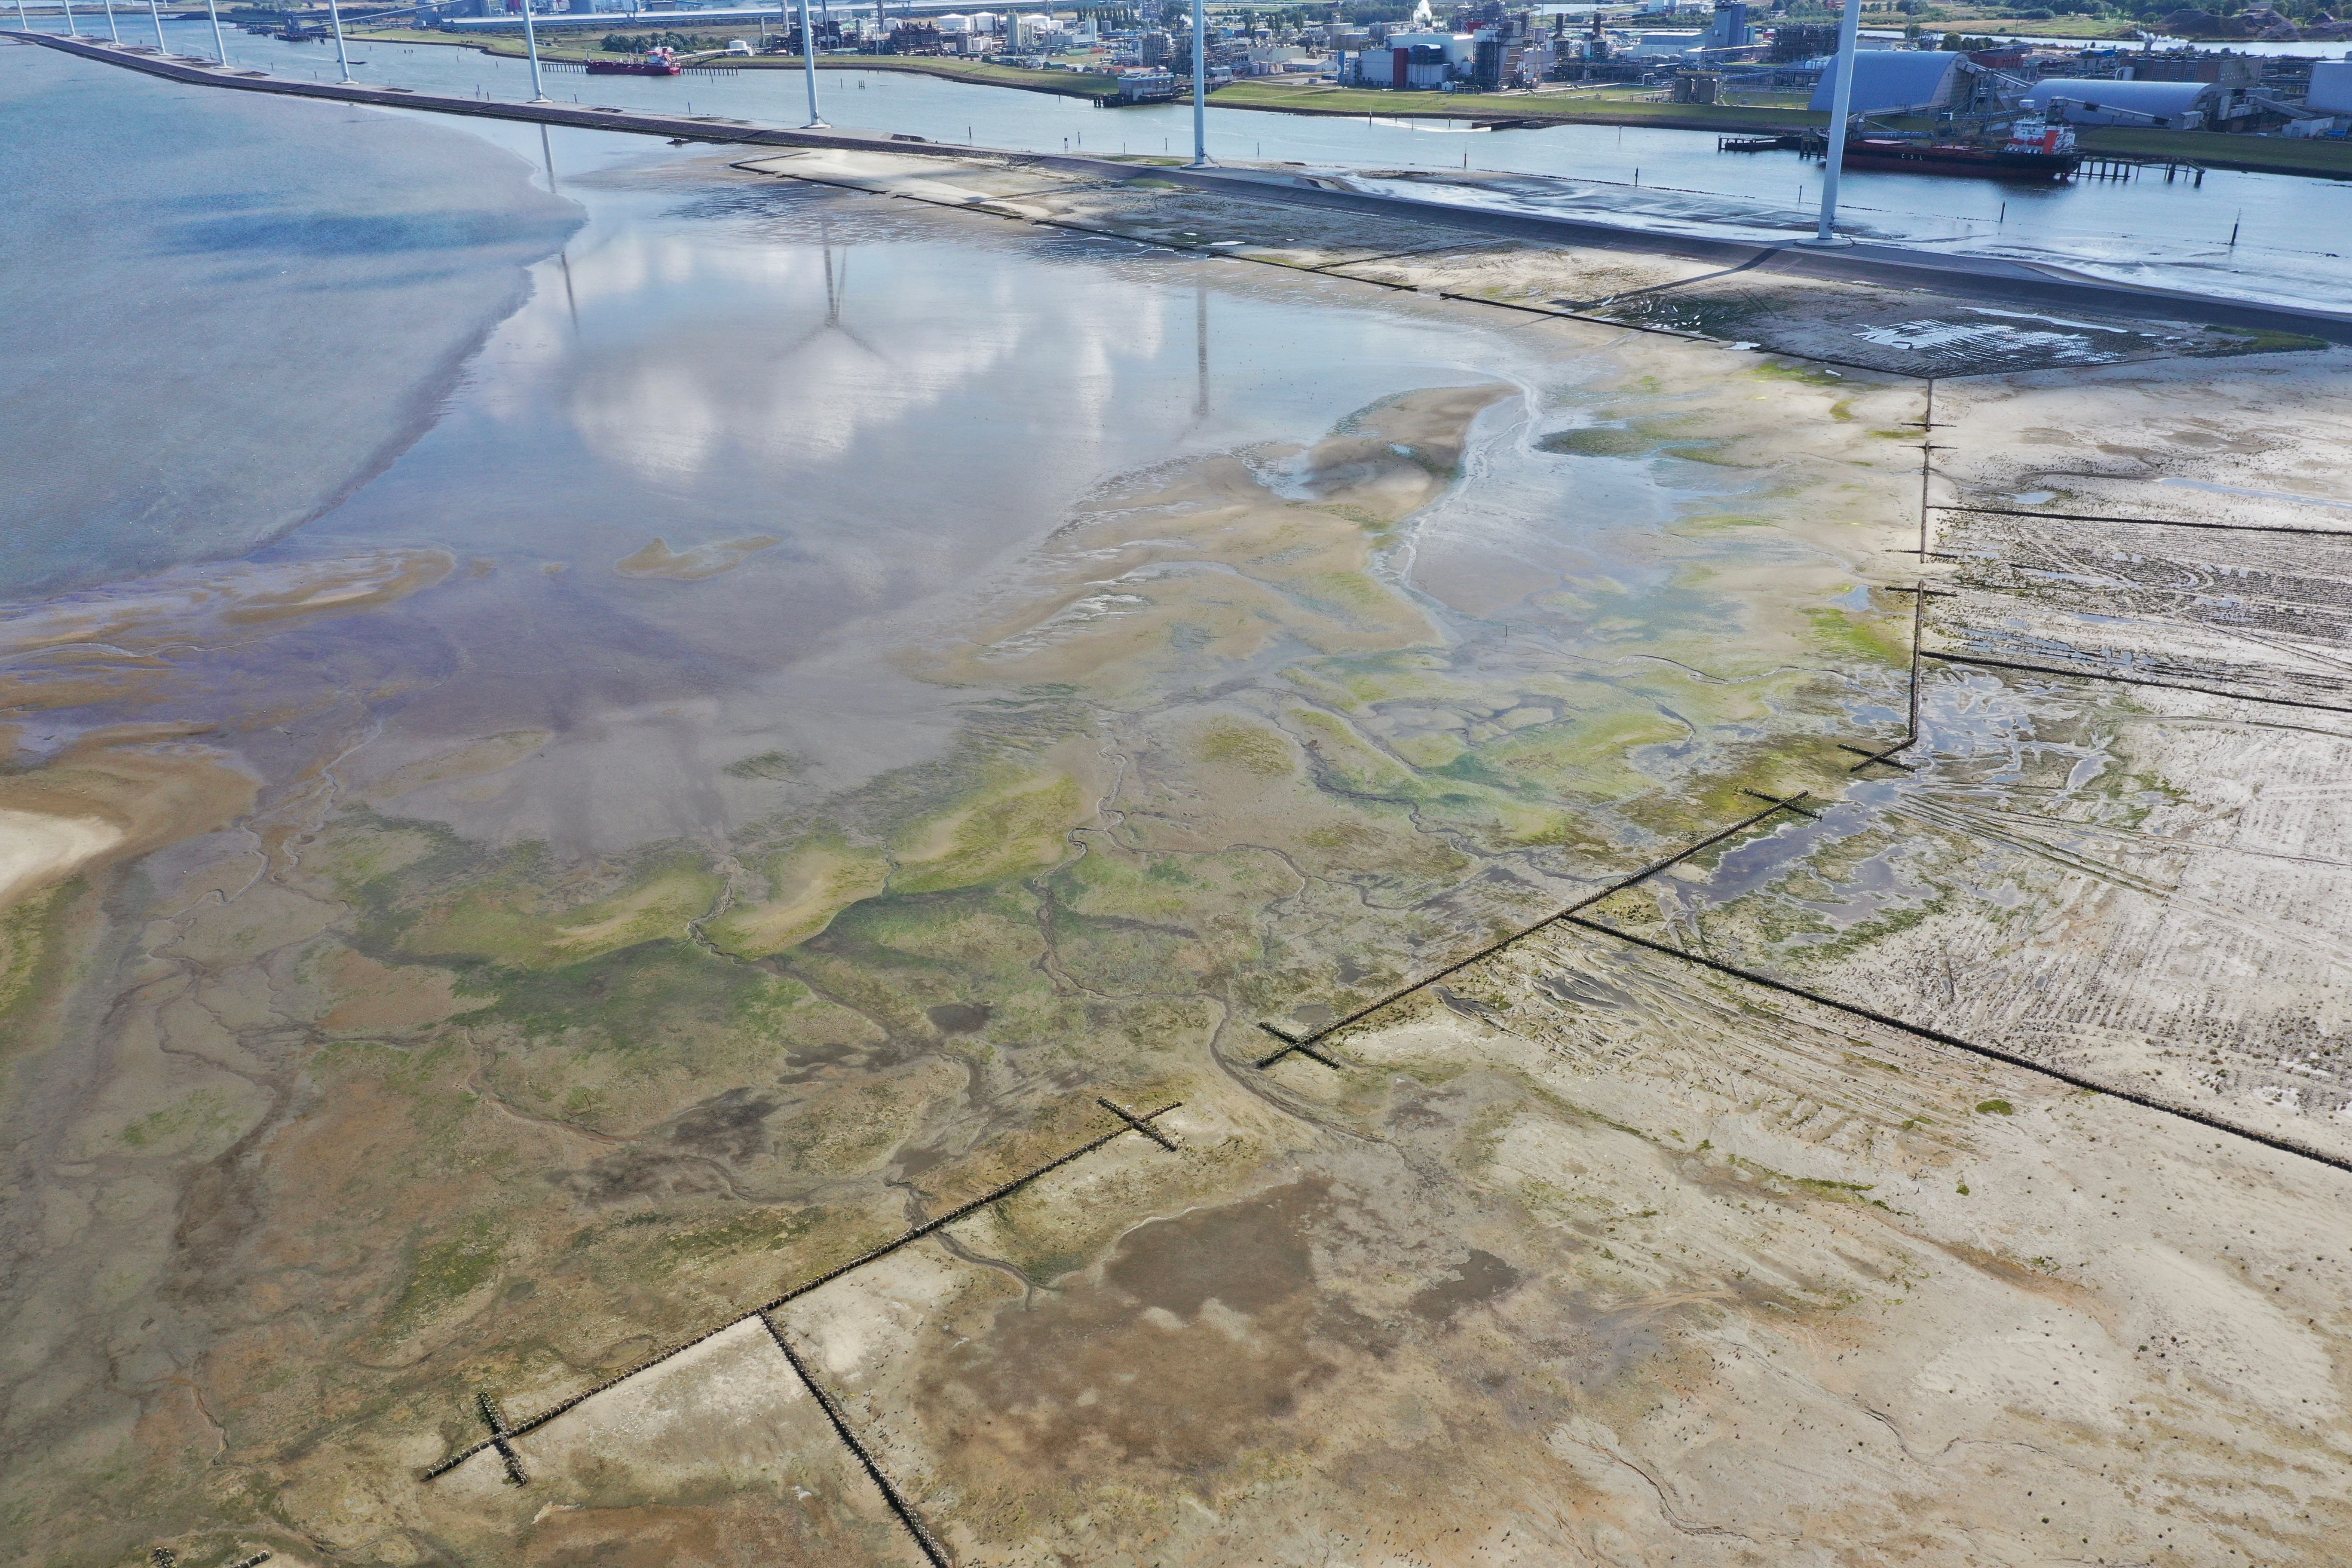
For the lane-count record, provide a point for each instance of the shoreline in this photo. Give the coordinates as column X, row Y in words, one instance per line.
column 2270, row 155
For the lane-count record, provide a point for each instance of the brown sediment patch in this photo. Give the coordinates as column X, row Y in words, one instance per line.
column 475, row 758
column 359, row 585
column 92, row 679
column 179, row 607
column 1189, row 1348
column 696, row 562
column 374, row 996
column 1478, row 1278
column 115, row 794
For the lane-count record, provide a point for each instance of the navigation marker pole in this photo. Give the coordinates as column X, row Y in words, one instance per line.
column 808, row 63
column 1200, row 85
column 530, row 42
column 1840, row 102
column 342, row 55
column 219, row 48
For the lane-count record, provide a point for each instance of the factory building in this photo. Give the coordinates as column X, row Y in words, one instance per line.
column 1898, row 81
column 2168, row 105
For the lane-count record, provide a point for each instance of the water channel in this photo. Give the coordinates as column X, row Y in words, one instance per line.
column 2267, row 237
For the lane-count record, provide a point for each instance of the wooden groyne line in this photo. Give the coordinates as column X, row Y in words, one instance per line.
column 1993, row 280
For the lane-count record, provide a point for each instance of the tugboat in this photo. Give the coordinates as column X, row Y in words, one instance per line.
column 656, row 62
column 2035, row 149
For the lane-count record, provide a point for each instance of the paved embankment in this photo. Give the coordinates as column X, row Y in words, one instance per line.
column 1960, row 277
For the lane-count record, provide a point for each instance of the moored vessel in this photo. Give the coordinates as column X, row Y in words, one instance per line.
column 2035, row 148
column 654, row 62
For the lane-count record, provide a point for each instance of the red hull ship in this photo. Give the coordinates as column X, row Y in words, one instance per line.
column 2035, row 150
column 656, row 62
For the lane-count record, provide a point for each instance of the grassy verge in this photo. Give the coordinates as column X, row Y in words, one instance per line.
column 1549, row 107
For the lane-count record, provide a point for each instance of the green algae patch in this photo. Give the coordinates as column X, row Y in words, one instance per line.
column 191, row 1125
column 651, row 998
column 444, row 1274
column 775, row 768
column 1249, row 747
column 507, row 919
column 1598, row 441
column 810, row 886
column 32, row 958
column 1587, row 756
column 1876, row 639
column 760, row 1230
column 1014, row 832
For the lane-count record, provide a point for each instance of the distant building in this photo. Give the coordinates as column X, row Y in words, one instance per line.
column 1421, row 62
column 1657, row 46
column 1154, row 84
column 1795, row 41
column 1697, row 87
column 2194, row 65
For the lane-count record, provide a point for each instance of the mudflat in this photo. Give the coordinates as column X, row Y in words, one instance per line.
column 861, row 708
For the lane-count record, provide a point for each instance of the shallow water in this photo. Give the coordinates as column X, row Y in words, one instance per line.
column 226, row 310
column 745, row 443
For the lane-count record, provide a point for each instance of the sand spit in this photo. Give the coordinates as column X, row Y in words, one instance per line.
column 112, row 794
column 37, row 849
column 696, row 562
column 474, row 760
column 206, row 604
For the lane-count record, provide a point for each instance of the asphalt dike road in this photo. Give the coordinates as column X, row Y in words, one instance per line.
column 1983, row 278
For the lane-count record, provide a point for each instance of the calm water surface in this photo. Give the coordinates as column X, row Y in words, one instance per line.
column 883, row 411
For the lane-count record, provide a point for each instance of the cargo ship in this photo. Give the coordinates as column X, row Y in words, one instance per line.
column 2035, row 149
column 656, row 62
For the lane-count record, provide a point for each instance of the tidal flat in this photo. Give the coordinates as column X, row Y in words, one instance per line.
column 878, row 668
